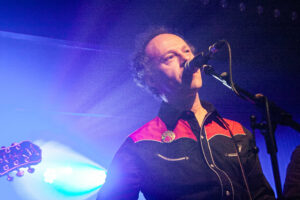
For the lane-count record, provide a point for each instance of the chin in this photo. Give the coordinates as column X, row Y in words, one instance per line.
column 196, row 84
column 197, row 80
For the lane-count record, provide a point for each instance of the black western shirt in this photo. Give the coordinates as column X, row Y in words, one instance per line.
column 172, row 157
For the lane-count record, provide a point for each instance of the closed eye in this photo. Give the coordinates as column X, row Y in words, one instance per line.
column 168, row 58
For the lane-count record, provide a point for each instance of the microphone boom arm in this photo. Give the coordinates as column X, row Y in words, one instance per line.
column 273, row 114
column 280, row 116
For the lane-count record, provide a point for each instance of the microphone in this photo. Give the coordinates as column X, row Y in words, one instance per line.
column 202, row 59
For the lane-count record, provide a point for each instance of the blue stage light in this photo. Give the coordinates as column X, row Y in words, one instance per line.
column 62, row 174
column 75, row 179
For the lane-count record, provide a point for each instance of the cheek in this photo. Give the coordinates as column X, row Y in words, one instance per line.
column 166, row 81
column 197, row 79
column 166, row 78
column 172, row 72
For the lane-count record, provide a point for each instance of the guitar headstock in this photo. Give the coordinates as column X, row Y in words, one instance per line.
column 23, row 154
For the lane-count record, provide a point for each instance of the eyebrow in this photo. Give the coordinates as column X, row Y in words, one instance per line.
column 173, row 51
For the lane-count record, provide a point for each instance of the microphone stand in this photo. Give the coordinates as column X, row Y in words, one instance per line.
column 273, row 115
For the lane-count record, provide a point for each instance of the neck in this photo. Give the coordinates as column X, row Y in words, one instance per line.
column 189, row 102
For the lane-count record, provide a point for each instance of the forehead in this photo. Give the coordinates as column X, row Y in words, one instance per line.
column 163, row 43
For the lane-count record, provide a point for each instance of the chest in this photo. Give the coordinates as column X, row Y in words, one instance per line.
column 178, row 166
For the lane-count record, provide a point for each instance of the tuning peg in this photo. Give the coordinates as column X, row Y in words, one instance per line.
column 17, row 145
column 20, row 173
column 16, row 162
column 7, row 150
column 30, row 169
column 9, row 178
column 26, row 159
column 6, row 167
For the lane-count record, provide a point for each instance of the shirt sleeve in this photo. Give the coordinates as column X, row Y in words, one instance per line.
column 292, row 181
column 123, row 177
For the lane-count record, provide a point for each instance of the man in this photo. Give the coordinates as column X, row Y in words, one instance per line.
column 291, row 188
column 187, row 151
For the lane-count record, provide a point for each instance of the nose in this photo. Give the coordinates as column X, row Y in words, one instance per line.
column 184, row 57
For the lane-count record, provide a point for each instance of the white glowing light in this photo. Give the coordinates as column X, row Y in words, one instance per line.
column 63, row 174
column 67, row 170
column 49, row 175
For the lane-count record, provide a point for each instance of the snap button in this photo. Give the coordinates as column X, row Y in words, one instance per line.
column 227, row 193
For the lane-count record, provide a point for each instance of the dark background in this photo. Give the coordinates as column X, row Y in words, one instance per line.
column 264, row 47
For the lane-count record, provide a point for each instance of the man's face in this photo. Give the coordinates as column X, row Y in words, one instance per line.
column 168, row 53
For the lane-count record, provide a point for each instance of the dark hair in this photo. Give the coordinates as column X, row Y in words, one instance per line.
column 140, row 61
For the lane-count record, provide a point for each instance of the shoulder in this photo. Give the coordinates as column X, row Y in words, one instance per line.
column 217, row 128
column 150, row 131
column 236, row 127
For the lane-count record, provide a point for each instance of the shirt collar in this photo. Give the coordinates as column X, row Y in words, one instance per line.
column 170, row 115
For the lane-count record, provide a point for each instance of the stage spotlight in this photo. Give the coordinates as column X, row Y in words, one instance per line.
column 223, row 3
column 294, row 16
column 276, row 13
column 242, row 7
column 75, row 178
column 63, row 174
column 205, row 2
column 260, row 10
